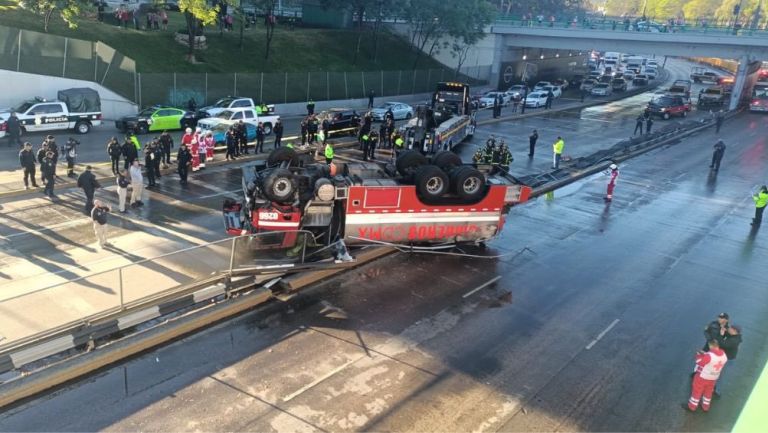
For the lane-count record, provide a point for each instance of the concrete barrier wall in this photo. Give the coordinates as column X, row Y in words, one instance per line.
column 20, row 86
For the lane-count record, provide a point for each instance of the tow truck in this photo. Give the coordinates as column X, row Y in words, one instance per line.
column 414, row 201
column 446, row 122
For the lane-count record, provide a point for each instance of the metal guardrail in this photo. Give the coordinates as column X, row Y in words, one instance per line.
column 120, row 291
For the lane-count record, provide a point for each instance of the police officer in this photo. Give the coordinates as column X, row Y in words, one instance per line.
column 41, row 151
column 13, row 128
column 51, row 140
column 761, row 199
column 242, row 137
column 328, row 153
column 155, row 146
column 532, row 142
column 87, row 181
column 183, row 160
column 114, row 152
column 639, row 124
column 717, row 155
column 312, row 126
column 399, row 145
column 70, row 152
column 149, row 165
column 231, row 140
column 260, row 138
column 304, row 132
column 310, row 107
column 130, row 153
column 166, row 144
column 365, row 142
column 373, row 139
column 27, row 162
column 278, row 131
column 648, row 124
column 48, row 171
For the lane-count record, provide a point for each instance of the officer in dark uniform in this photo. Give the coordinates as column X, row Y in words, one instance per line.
column 156, row 149
column 114, row 151
column 129, row 151
column 87, row 181
column 48, row 171
column 166, row 144
column 13, row 128
column 259, row 138
column 27, row 162
column 149, row 164
column 639, row 124
column 70, row 152
column 183, row 159
column 242, row 136
column 41, row 151
column 51, row 140
column 304, row 132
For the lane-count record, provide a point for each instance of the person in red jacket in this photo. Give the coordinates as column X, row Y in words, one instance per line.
column 708, row 368
column 613, row 176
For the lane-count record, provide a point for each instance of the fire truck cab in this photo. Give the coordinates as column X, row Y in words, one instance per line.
column 416, row 200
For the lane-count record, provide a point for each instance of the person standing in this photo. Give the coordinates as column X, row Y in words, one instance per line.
column 310, row 107
column 166, row 144
column 137, row 184
column 278, row 131
column 505, row 157
column 48, row 172
column 114, row 151
column 27, row 162
column 54, row 149
column 312, row 126
column 183, row 160
column 259, row 138
column 130, row 153
column 149, row 165
column 717, row 155
column 231, row 144
column 87, row 181
column 371, row 95
column 122, row 189
column 496, row 108
column 761, row 199
column 639, row 124
column 328, row 153
column 708, row 367
column 242, row 135
column 550, row 98
column 719, row 118
column 99, row 216
column 532, row 143
column 648, row 124
column 613, row 177
column 70, row 153
column 304, row 132
column 41, row 151
column 13, row 129
column 730, row 345
column 210, row 146
column 194, row 149
column 557, row 152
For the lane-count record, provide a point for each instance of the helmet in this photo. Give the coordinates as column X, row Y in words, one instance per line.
column 188, row 130
column 614, row 166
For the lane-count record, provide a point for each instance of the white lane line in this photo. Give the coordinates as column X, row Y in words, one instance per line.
column 53, row 227
column 602, row 334
column 486, row 284
column 318, row 380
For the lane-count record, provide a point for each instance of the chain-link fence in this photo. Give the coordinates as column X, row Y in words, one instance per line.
column 40, row 53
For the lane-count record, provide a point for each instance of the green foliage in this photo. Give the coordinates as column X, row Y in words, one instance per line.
column 68, row 10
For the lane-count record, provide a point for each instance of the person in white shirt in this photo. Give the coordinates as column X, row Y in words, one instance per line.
column 137, row 183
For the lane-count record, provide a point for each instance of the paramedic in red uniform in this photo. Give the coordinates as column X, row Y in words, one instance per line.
column 613, row 176
column 708, row 367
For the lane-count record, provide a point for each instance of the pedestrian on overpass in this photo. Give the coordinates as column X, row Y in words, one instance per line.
column 532, row 143
column 639, row 124
column 717, row 155
column 557, row 152
column 613, row 176
column 648, row 124
column 761, row 199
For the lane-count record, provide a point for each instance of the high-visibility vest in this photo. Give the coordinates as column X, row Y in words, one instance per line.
column 329, row 151
column 289, row 145
column 399, row 142
column 558, row 146
column 321, row 135
column 761, row 199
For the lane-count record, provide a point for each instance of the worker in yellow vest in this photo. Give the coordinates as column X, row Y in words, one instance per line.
column 328, row 153
column 557, row 152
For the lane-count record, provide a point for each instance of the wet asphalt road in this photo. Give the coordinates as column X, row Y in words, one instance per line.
column 416, row 350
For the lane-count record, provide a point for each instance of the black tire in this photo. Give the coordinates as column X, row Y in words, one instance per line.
column 280, row 185
column 446, row 160
column 267, row 128
column 409, row 161
column 431, row 182
column 468, row 183
column 408, row 116
column 280, row 155
column 82, row 127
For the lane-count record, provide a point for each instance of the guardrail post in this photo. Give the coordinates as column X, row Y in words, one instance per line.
column 232, row 257
column 122, row 298
column 304, row 248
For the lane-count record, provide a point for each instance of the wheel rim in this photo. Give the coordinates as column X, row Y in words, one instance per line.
column 83, row 128
column 281, row 188
column 470, row 185
column 435, row 185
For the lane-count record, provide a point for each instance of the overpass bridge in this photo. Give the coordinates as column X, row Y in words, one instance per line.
column 512, row 40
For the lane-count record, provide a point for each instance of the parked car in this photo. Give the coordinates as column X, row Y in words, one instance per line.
column 651, row 73
column 605, row 79
column 536, row 99
column 489, row 99
column 712, row 96
column 640, row 80
column 555, row 91
column 619, row 85
column 540, row 85
column 668, row 106
column 595, row 75
column 517, row 89
column 220, row 132
column 601, row 89
column 588, row 84
column 400, row 110
column 629, row 75
column 700, row 75
column 340, row 120
column 157, row 118
column 562, row 83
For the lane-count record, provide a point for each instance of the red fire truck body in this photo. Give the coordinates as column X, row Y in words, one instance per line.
column 370, row 203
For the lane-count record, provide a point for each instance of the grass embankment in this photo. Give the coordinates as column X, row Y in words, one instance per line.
column 299, row 50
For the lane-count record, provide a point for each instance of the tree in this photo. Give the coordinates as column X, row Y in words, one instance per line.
column 68, row 10
column 197, row 13
column 467, row 26
column 699, row 9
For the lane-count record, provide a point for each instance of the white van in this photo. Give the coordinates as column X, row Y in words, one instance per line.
column 611, row 56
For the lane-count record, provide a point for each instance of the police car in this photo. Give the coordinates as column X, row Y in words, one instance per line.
column 78, row 109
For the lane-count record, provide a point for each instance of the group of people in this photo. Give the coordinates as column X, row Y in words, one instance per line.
column 644, row 118
column 154, row 19
column 711, row 362
column 384, row 137
column 499, row 156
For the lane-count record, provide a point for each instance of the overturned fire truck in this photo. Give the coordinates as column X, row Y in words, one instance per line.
column 415, row 201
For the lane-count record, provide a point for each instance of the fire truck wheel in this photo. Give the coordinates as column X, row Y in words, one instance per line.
column 409, row 161
column 281, row 154
column 431, row 182
column 468, row 183
column 446, row 160
column 279, row 186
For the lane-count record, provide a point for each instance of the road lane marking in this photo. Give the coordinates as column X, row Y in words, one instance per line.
column 602, row 334
column 482, row 286
column 318, row 380
column 53, row 227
